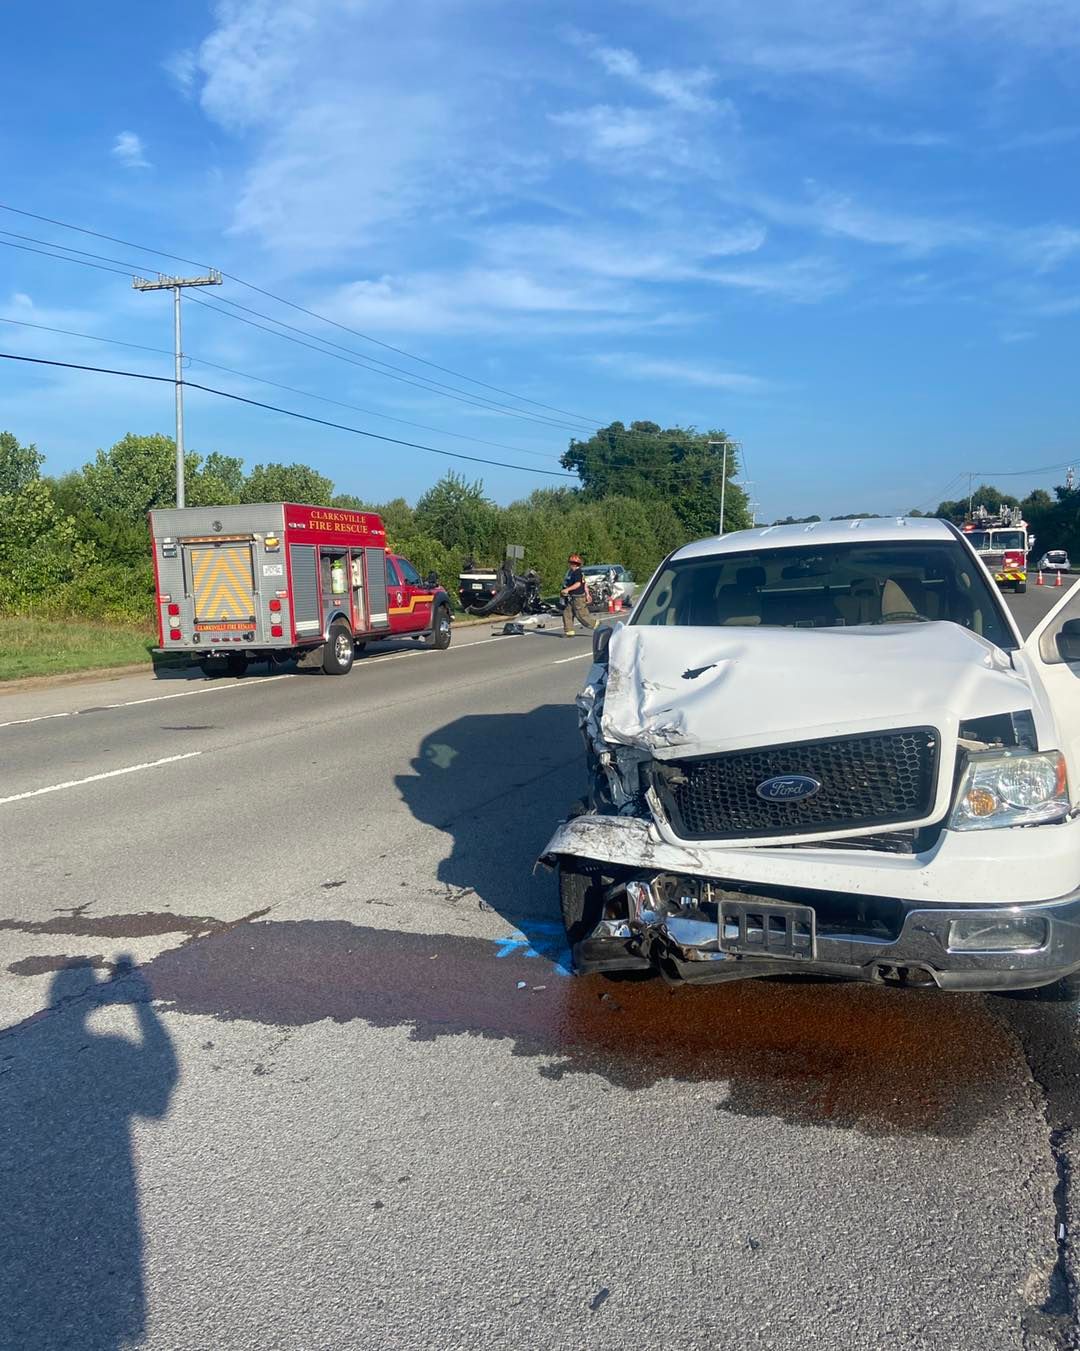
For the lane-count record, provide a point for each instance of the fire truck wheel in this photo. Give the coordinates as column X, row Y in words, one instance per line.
column 440, row 634
column 236, row 664
column 1021, row 588
column 339, row 650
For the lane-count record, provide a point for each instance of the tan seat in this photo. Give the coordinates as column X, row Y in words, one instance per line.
column 895, row 601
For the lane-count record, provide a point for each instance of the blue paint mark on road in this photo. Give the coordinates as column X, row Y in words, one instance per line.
column 542, row 939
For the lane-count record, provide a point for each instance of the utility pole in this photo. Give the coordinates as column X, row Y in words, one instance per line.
column 723, row 480
column 176, row 285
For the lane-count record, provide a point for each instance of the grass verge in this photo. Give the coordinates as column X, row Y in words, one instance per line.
column 36, row 647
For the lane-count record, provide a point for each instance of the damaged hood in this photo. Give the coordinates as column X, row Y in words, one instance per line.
column 683, row 691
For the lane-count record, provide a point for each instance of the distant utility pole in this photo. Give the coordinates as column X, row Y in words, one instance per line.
column 176, row 285
column 723, row 479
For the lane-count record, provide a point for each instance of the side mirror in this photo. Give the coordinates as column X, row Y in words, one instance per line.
column 432, row 579
column 1068, row 641
column 601, row 641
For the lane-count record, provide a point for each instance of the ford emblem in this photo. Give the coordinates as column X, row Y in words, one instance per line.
column 788, row 788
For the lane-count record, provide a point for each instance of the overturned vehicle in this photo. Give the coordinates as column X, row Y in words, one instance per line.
column 828, row 751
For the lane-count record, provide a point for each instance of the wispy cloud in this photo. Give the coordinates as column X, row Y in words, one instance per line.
column 128, row 148
column 182, row 68
column 1046, row 138
column 662, row 369
column 683, row 89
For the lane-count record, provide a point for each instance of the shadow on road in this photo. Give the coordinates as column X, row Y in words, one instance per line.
column 496, row 784
column 71, row 1244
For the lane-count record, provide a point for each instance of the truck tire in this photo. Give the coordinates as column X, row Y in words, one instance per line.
column 1020, row 588
column 581, row 896
column 236, row 664
column 339, row 650
column 440, row 629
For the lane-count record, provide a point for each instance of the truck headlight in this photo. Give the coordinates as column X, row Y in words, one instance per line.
column 1011, row 790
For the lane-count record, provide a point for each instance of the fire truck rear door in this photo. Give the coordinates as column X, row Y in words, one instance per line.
column 222, row 583
column 375, row 565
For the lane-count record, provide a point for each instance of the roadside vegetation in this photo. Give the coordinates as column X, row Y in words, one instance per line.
column 76, row 580
column 31, row 646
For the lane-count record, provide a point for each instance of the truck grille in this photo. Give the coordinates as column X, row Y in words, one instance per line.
column 881, row 779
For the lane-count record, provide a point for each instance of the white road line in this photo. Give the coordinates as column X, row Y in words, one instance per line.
column 96, row 778
column 239, row 685
column 153, row 699
column 415, row 652
column 576, row 657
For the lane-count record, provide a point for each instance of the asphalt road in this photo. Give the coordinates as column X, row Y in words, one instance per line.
column 291, row 1058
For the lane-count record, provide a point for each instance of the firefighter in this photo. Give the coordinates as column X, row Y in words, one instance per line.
column 575, row 598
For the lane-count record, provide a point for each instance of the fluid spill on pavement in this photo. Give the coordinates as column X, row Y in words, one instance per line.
column 148, row 924
column 879, row 1060
column 46, row 965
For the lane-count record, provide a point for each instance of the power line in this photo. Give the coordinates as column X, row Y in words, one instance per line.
column 90, row 337
column 274, row 384
column 385, row 368
column 286, row 412
column 63, row 258
column 366, row 363
column 102, row 258
column 586, row 420
column 371, row 412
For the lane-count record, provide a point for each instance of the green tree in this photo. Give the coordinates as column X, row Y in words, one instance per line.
column 457, row 513
column 985, row 495
column 288, row 483
column 677, row 465
column 19, row 465
column 40, row 548
column 219, row 483
column 135, row 475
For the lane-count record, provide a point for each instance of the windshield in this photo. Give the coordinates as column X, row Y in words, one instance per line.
column 825, row 586
column 1007, row 539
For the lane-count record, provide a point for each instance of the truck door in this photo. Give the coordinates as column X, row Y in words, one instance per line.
column 356, row 577
column 334, row 577
column 221, row 581
column 1057, row 668
column 418, row 597
column 398, row 596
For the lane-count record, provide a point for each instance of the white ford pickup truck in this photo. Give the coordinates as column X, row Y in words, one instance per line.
column 827, row 749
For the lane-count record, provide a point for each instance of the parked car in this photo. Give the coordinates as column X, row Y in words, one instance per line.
column 828, row 750
column 609, row 580
column 1054, row 560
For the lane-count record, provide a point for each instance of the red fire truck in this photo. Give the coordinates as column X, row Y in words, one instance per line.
column 1002, row 542
column 277, row 581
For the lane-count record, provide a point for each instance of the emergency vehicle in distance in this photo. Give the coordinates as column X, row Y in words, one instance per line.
column 277, row 581
column 1001, row 541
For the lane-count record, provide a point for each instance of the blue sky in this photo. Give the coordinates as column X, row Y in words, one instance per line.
column 847, row 233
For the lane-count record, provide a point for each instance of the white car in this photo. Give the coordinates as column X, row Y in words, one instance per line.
column 1054, row 560
column 827, row 749
column 609, row 580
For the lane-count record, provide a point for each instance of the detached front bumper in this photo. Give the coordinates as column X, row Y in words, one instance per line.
column 697, row 927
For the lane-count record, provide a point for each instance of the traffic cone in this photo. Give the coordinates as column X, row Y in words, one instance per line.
column 1039, row 580
column 1057, row 578
column 611, row 605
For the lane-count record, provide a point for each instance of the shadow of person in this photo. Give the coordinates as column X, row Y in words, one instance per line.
column 71, row 1242
column 497, row 784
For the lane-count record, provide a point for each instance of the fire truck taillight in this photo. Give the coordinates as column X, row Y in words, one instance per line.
column 275, row 605
column 174, row 611
column 174, row 635
column 276, row 631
